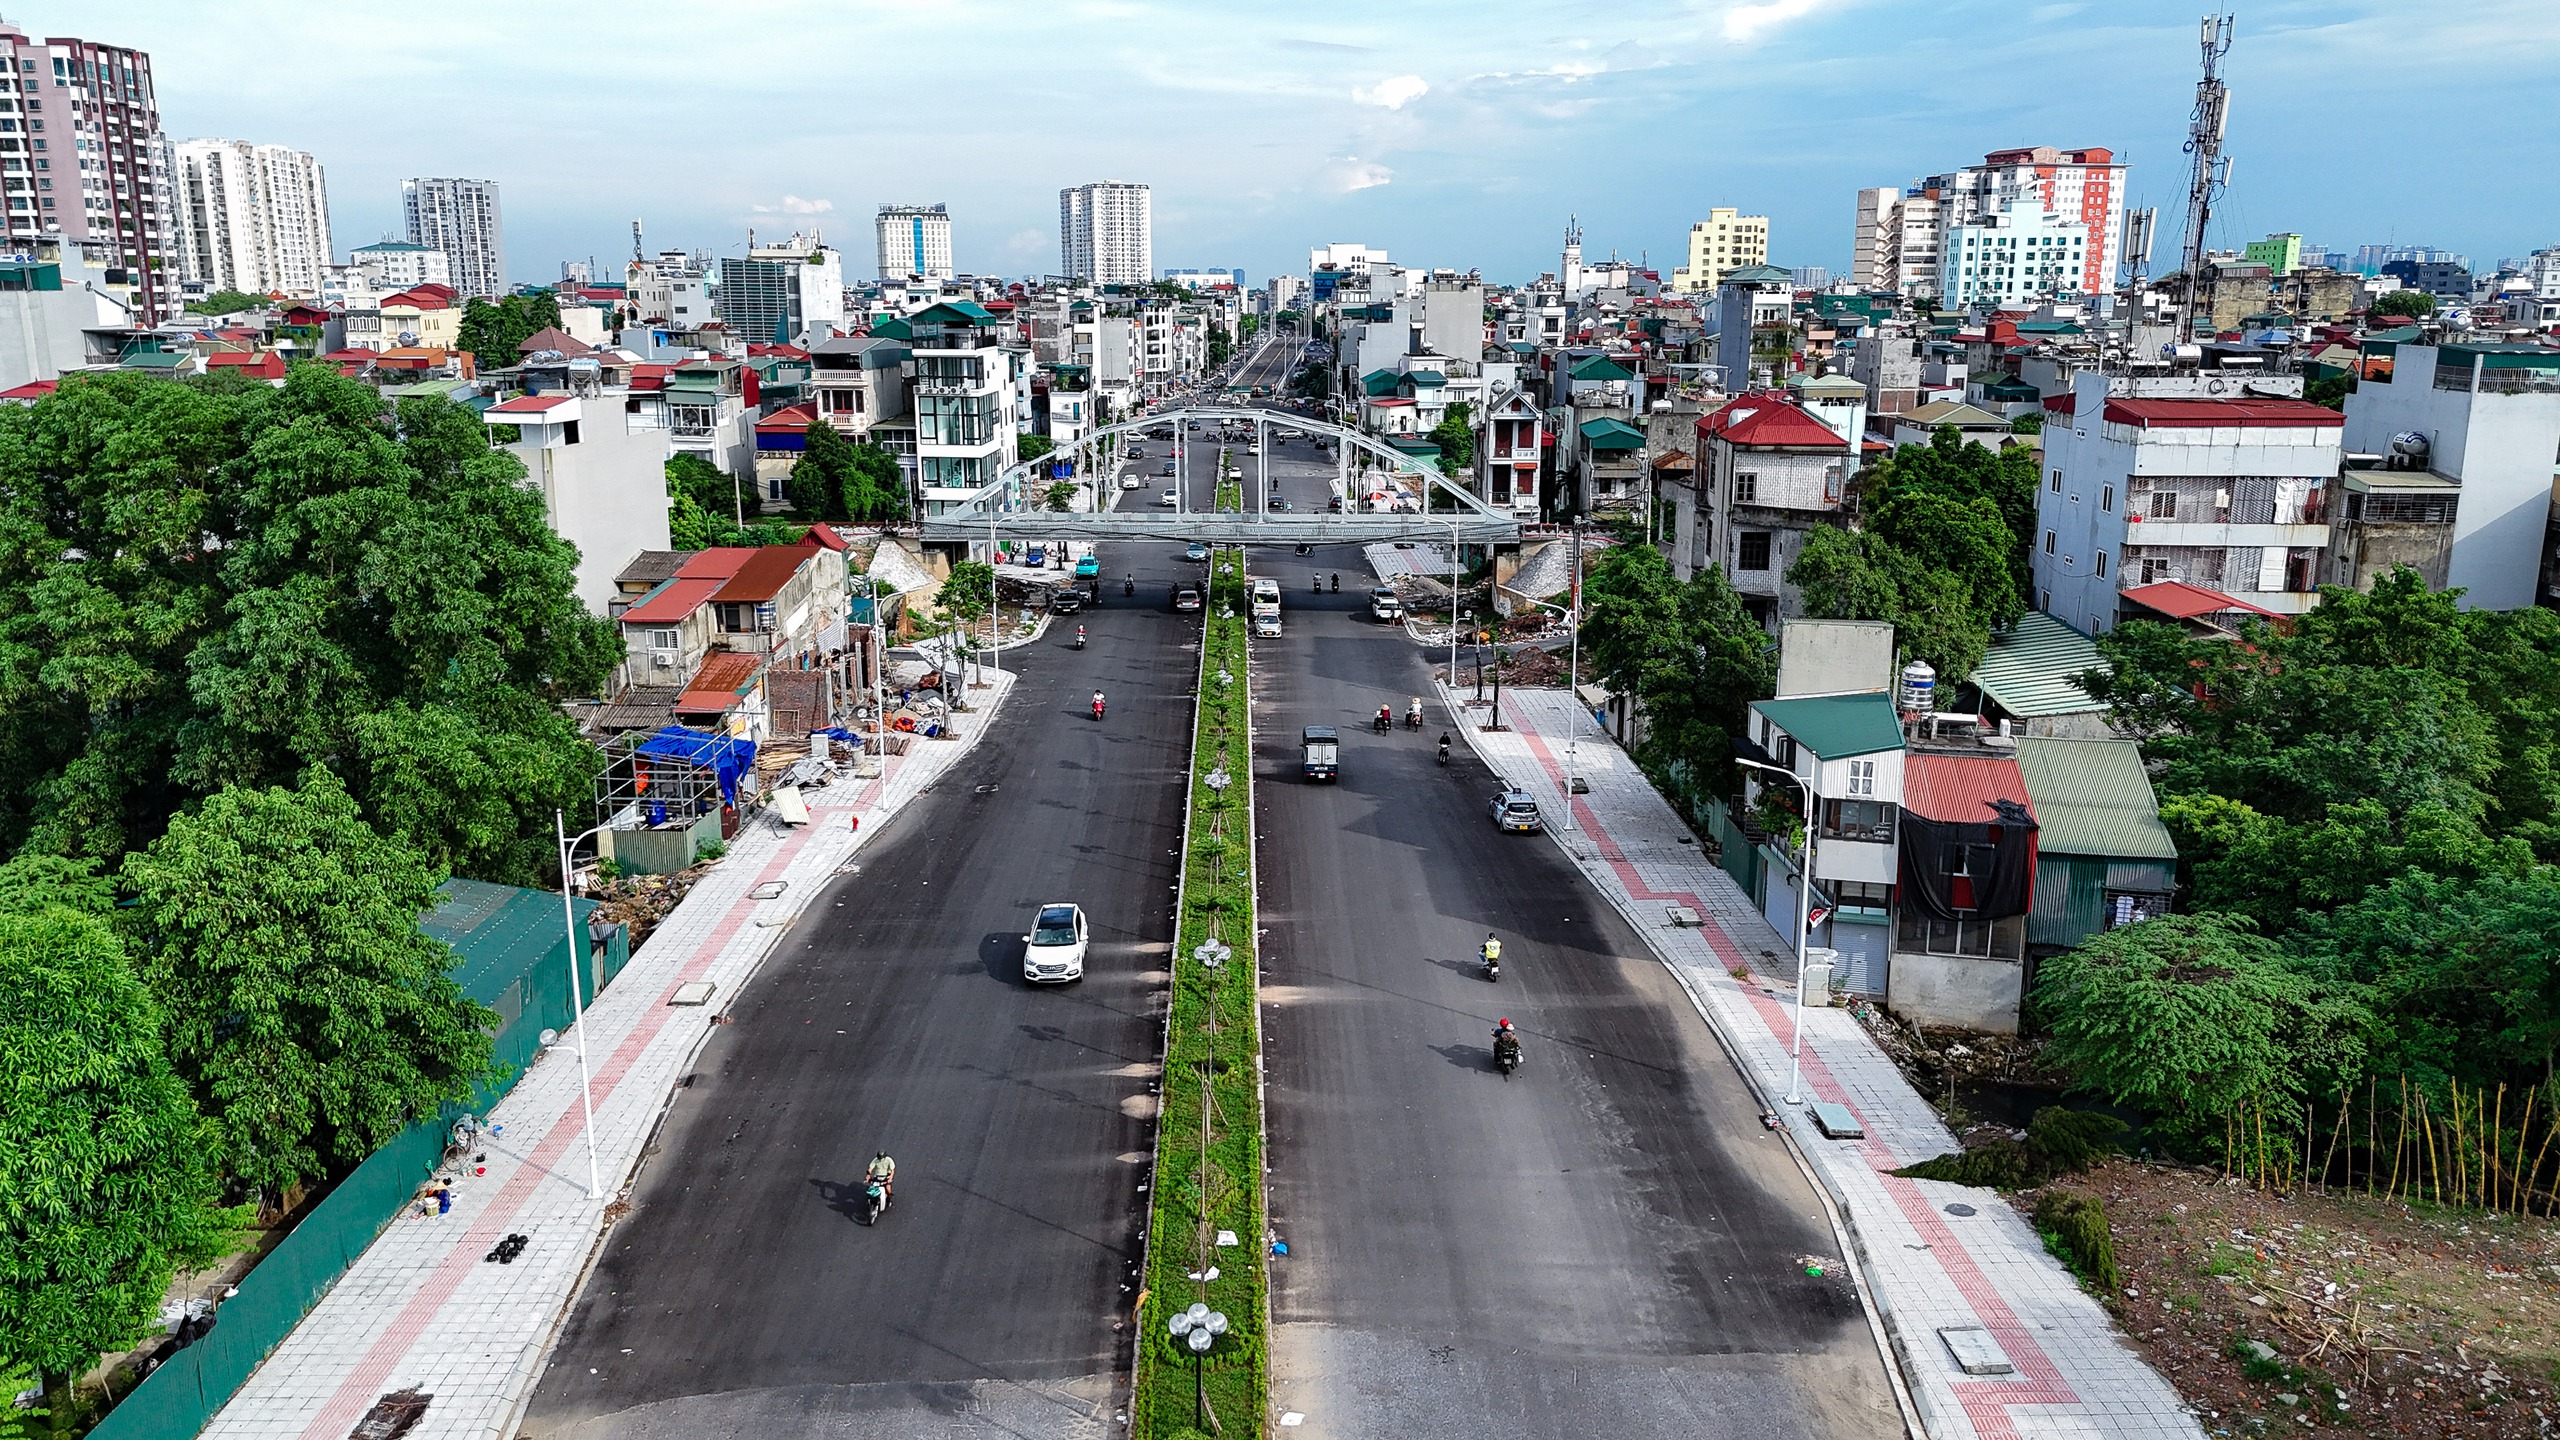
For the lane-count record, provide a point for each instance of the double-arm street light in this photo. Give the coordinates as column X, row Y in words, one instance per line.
column 577, row 989
column 1804, row 924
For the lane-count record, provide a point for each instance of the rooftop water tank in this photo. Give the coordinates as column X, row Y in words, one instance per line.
column 1918, row 692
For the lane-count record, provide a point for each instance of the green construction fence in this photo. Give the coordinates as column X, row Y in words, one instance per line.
column 514, row 949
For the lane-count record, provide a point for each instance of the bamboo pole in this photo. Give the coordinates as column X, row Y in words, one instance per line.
column 2457, row 1157
column 2427, row 1127
column 2372, row 1137
column 2259, row 1114
column 2533, row 1177
column 2399, row 1140
column 2524, row 1133
column 2330, row 1157
column 2495, row 1161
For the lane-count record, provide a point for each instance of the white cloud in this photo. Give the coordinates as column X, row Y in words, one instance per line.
column 1746, row 23
column 1393, row 93
column 794, row 205
column 1358, row 174
column 1027, row 242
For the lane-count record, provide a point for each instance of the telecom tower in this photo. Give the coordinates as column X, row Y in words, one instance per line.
column 2210, row 172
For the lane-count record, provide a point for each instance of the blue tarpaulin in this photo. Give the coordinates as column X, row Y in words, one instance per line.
column 719, row 754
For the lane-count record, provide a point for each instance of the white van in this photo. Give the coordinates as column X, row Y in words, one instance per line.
column 1266, row 598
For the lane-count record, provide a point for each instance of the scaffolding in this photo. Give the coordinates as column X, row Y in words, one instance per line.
column 672, row 777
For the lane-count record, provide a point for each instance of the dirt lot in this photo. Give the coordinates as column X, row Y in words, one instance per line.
column 2378, row 1319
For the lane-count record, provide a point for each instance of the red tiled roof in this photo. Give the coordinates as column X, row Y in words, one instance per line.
column 790, row 419
column 421, row 298
column 647, row 376
column 2181, row 601
column 552, row 337
column 1960, row 788
column 767, row 570
column 822, row 537
column 716, row 685
column 1767, row 418
column 268, row 366
column 671, row 602
column 361, row 357
column 529, row 404
column 718, row 563
column 2254, row 414
column 2060, row 404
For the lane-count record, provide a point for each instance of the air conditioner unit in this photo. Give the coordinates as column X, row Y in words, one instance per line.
column 664, row 660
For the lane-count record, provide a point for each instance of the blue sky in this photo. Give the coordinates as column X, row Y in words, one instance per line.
column 1452, row 134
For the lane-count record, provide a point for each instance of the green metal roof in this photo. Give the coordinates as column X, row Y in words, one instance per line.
column 1835, row 727
column 2027, row 670
column 1378, row 382
column 499, row 931
column 1601, row 367
column 1426, row 379
column 2091, row 797
column 893, row 329
column 2008, row 389
column 1415, row 446
column 1607, row 432
column 951, row 312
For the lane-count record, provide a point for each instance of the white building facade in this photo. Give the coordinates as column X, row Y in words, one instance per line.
column 915, row 240
column 391, row 266
column 253, row 218
column 2230, row 495
column 2486, row 417
column 2013, row 255
column 1106, row 233
column 462, row 219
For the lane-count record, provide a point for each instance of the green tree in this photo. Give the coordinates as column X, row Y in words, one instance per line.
column 1691, row 653
column 2331, row 391
column 1032, row 447
column 1457, row 441
column 492, row 329
column 228, row 302
column 878, row 491
column 204, row 585
column 109, row 1189
column 1853, row 575
column 2465, row 972
column 2195, row 1018
column 2403, row 304
column 711, row 488
column 1059, row 495
column 818, row 480
column 312, row 1017
column 1220, row 347
column 969, row 591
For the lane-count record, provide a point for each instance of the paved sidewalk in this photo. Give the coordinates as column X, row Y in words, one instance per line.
column 421, row 1307
column 1933, row 1255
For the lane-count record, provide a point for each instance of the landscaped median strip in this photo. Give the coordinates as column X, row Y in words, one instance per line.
column 1205, row 1236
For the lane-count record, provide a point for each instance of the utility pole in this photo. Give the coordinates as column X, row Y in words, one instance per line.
column 2210, row 171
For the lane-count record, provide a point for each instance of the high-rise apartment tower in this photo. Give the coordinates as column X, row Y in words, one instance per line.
column 1106, row 233
column 460, row 218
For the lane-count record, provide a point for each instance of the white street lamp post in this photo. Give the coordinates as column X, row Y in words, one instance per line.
column 1804, row 926
column 577, row 993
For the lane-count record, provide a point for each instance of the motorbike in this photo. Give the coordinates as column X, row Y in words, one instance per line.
column 1506, row 1054
column 1097, row 707
column 1444, row 750
column 1079, row 637
column 1129, row 585
column 1337, row 583
column 1492, row 967
column 1317, row 584
column 875, row 1199
column 1379, row 723
column 1413, row 719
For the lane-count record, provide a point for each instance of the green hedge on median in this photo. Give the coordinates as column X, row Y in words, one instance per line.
column 1208, row 1171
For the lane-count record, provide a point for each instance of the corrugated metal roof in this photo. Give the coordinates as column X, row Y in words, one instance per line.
column 716, row 685
column 2027, row 670
column 2092, row 797
column 671, row 601
column 1837, row 726
column 1960, row 788
column 764, row 574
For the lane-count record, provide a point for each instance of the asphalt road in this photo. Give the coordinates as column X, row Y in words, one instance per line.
column 1608, row 1243
column 741, row 1298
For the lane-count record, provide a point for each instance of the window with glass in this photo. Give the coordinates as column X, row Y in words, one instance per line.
column 1746, row 487
column 1870, row 821
column 2132, row 907
column 2003, row 939
column 1861, row 897
column 1754, row 550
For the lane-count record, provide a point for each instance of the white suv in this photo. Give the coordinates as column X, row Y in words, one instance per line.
column 1053, row 953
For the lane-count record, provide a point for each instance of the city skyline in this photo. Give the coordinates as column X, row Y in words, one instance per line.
column 1464, row 145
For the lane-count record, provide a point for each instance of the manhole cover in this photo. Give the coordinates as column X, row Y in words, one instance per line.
column 1960, row 1209
column 392, row 1416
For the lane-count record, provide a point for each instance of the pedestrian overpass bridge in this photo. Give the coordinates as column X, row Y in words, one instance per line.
column 1012, row 508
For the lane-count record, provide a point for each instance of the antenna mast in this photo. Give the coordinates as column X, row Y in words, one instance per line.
column 2210, row 171
column 635, row 240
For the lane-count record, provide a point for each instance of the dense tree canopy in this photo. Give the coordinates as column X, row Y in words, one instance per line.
column 1456, row 437
column 209, row 583
column 492, row 329
column 106, row 1186
column 2405, row 304
column 835, row 479
column 312, row 1017
column 711, row 488
column 1689, row 651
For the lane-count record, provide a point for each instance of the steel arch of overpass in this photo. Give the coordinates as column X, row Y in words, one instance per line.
column 1007, row 509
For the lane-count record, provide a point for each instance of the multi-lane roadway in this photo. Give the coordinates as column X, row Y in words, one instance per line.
column 1609, row 1243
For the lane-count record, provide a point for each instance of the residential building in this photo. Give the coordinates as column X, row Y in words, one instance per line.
column 462, row 219
column 1904, row 242
column 791, row 293
column 1281, row 292
column 2485, row 419
column 915, row 240
column 2012, row 255
column 707, row 413
column 84, row 164
column 2228, row 494
column 58, row 314
column 1212, row 279
column 394, row 265
column 2280, row 253
column 1768, row 471
column 2542, row 269
column 727, row 622
column 965, row 421
column 1811, row 277
column 603, row 481
column 253, row 218
column 1748, row 300
column 1510, row 452
column 2444, row 279
column 2103, row 859
column 1453, row 322
column 1106, row 233
column 858, row 383
column 1724, row 241
column 423, row 316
